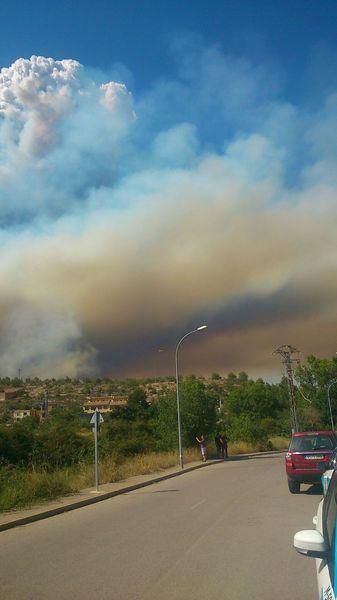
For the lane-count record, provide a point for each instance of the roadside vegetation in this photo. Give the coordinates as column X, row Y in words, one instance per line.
column 45, row 460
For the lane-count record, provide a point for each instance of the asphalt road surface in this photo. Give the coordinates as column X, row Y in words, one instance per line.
column 222, row 532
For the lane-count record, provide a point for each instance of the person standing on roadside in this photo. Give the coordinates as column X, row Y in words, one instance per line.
column 218, row 444
column 224, row 446
column 202, row 444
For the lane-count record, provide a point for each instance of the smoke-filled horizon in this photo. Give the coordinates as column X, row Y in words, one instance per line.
column 129, row 219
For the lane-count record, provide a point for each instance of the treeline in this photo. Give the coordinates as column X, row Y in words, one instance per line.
column 243, row 409
column 65, row 438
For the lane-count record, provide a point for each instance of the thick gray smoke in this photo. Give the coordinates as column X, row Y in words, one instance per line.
column 128, row 221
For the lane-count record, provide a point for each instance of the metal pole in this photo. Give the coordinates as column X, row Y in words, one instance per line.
column 291, row 390
column 292, row 415
column 286, row 351
column 181, row 458
column 96, row 448
column 46, row 404
column 329, row 402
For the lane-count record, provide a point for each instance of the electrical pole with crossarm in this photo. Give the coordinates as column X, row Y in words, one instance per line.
column 287, row 352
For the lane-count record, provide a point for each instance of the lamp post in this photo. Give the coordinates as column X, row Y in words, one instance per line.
column 331, row 383
column 181, row 460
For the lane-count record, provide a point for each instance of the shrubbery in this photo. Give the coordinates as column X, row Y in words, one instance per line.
column 248, row 412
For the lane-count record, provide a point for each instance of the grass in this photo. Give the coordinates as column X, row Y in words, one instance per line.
column 21, row 488
column 274, row 443
column 280, row 442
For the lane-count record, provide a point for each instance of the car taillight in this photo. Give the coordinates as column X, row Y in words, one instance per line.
column 288, row 456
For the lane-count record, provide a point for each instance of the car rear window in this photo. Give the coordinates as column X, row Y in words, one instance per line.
column 310, row 443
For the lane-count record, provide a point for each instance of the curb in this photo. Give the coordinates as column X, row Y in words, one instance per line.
column 45, row 514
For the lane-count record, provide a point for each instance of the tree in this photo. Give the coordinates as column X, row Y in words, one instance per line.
column 16, row 443
column 243, row 427
column 311, row 418
column 70, row 417
column 62, row 439
column 316, row 372
column 126, row 438
column 198, row 408
column 242, row 377
column 197, row 414
column 257, row 399
column 137, row 403
column 256, row 410
column 166, row 422
column 313, row 377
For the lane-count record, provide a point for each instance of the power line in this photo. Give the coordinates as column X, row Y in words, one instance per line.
column 303, row 396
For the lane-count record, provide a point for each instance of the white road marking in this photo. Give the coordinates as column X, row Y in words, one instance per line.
column 198, row 504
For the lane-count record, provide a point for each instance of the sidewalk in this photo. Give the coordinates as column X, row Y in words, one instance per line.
column 11, row 519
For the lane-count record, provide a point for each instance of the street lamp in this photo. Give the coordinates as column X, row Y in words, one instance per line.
column 181, row 461
column 331, row 383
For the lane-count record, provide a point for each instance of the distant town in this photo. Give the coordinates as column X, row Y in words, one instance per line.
column 20, row 398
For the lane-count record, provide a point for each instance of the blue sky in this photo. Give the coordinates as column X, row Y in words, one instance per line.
column 162, row 165
column 137, row 34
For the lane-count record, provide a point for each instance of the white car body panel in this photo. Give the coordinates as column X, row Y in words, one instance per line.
column 325, row 584
column 323, row 576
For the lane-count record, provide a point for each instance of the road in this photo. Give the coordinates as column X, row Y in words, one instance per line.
column 222, row 532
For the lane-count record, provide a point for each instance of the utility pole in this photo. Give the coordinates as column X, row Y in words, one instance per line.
column 287, row 352
column 46, row 404
column 96, row 420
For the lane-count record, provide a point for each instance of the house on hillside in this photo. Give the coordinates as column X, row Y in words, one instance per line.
column 104, row 404
column 155, row 389
column 20, row 414
column 12, row 393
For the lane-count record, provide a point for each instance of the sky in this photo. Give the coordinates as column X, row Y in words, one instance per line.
column 164, row 166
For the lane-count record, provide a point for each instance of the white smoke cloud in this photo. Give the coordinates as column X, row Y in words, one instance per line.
column 60, row 132
column 34, row 95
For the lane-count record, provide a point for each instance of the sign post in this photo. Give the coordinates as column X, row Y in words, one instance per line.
column 96, row 420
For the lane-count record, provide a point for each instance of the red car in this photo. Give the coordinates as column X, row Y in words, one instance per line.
column 308, row 457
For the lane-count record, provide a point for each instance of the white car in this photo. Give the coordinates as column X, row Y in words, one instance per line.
column 321, row 543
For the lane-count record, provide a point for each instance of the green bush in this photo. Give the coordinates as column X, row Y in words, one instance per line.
column 244, row 428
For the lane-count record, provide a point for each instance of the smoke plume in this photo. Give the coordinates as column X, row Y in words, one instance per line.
column 128, row 220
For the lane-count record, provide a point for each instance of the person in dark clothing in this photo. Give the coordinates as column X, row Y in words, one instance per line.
column 219, row 449
column 224, row 446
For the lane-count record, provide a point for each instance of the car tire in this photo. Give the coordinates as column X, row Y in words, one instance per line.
column 294, row 486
